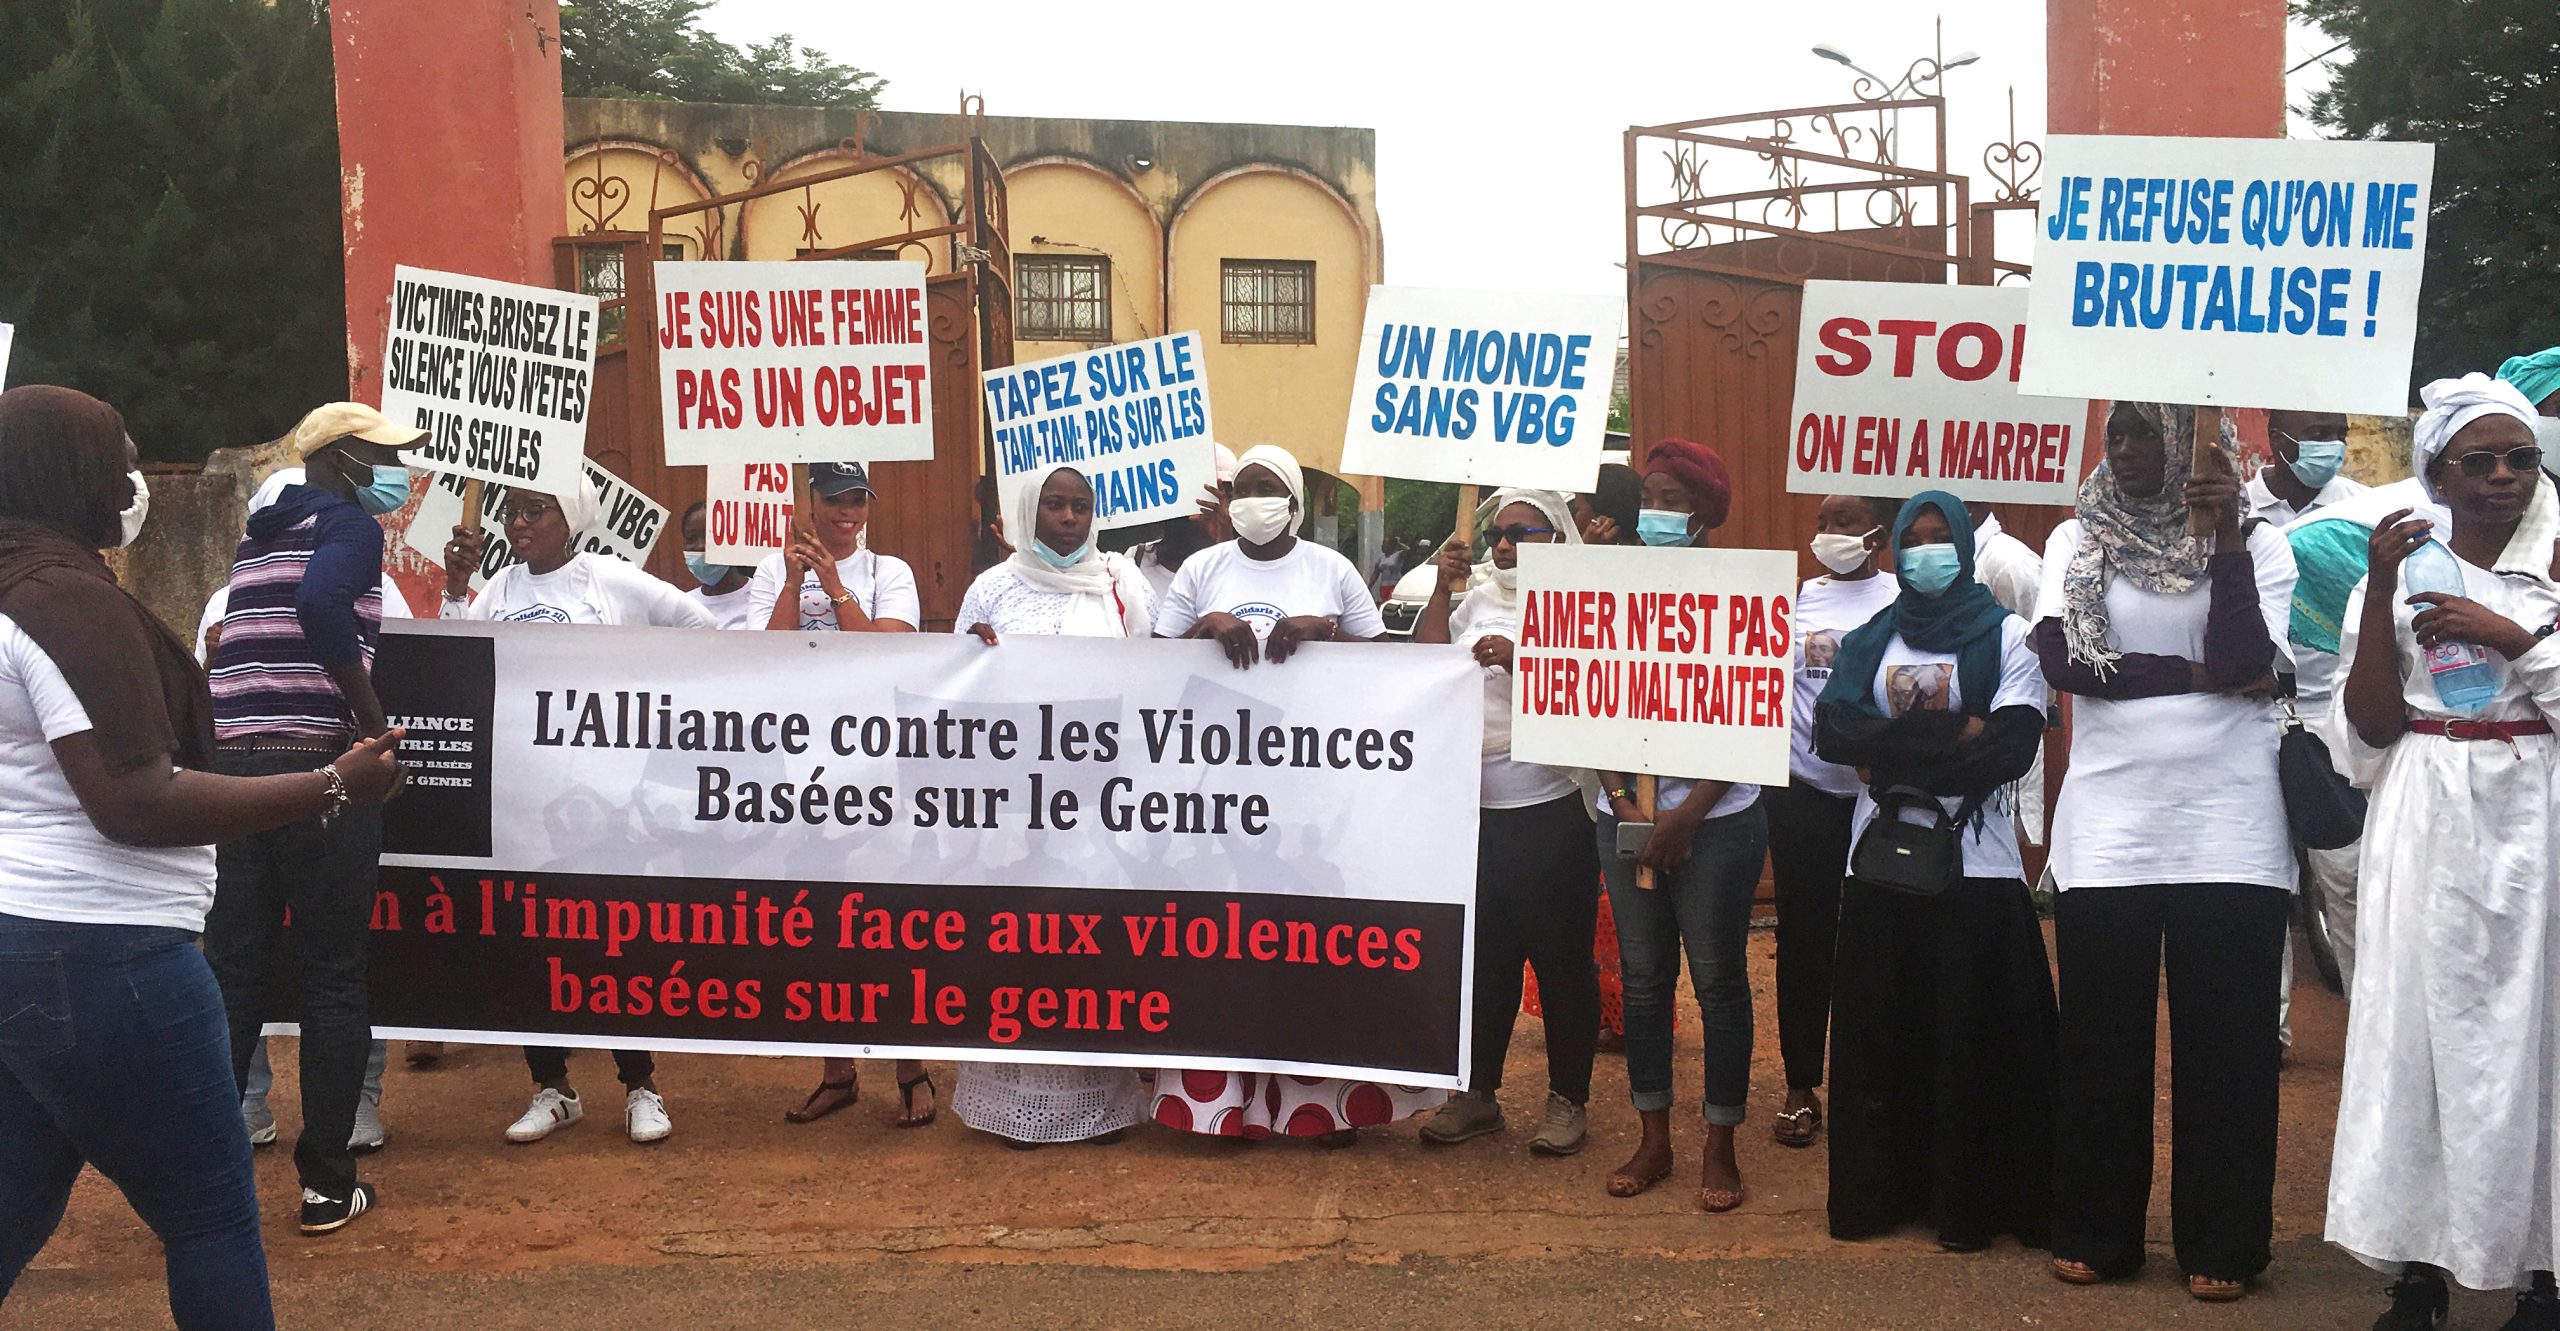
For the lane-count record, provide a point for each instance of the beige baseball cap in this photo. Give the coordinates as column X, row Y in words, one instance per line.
column 327, row 425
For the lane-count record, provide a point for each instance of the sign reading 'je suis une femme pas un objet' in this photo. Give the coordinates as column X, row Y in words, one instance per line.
column 500, row 376
column 1133, row 418
column 1483, row 387
column 823, row 361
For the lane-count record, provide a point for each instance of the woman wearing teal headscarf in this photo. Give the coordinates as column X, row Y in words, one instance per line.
column 1943, row 1023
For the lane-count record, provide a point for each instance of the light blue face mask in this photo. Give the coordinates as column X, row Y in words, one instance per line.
column 1662, row 526
column 702, row 569
column 388, row 491
column 1930, row 569
column 1055, row 560
column 2316, row 461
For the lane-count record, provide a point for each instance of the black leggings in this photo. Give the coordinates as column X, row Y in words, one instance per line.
column 1538, row 902
column 1808, row 856
column 634, row 1066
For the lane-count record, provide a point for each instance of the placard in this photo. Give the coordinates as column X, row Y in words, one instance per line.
column 1483, row 387
column 1902, row 387
column 1060, row 850
column 2276, row 273
column 1134, row 418
column 794, row 362
column 1674, row 662
column 746, row 513
column 627, row 530
column 500, row 376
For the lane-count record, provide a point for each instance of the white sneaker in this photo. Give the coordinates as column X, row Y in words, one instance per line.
column 550, row 1111
column 369, row 1135
column 644, row 1113
column 260, row 1121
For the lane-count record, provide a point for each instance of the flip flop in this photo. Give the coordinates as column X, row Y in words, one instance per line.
column 2206, row 1289
column 2070, row 1272
column 1623, row 1184
column 907, row 1100
column 1797, row 1128
column 1717, row 1201
column 810, row 1111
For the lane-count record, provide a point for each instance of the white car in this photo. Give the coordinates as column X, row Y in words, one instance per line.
column 1403, row 607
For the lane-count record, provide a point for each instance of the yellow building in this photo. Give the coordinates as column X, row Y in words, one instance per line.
column 1263, row 238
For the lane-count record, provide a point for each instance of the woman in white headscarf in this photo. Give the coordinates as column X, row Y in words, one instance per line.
column 1056, row 583
column 1537, row 867
column 2444, row 1162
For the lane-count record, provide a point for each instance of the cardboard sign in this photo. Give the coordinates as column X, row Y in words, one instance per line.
column 1133, row 418
column 627, row 530
column 747, row 512
column 499, row 375
column 1674, row 662
column 2229, row 272
column 1483, row 387
column 794, row 362
column 1902, row 387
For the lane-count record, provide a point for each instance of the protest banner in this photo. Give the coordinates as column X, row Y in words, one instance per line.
column 499, row 375
column 1133, row 418
column 627, row 530
column 1483, row 387
column 1060, row 850
column 1671, row 662
column 793, row 362
column 1902, row 387
column 746, row 513
column 2229, row 272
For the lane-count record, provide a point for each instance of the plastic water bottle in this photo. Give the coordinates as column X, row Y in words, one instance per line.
column 2464, row 679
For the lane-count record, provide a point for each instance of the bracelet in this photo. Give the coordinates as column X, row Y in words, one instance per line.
column 337, row 795
column 841, row 597
column 1622, row 793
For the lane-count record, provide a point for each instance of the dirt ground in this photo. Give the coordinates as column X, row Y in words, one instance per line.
column 746, row 1220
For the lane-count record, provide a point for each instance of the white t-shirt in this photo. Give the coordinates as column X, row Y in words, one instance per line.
column 2008, row 566
column 1507, row 783
column 54, row 864
column 1003, row 601
column 2180, row 789
column 1827, row 610
column 728, row 610
column 2261, row 502
column 1309, row 580
column 1913, row 680
column 395, row 605
column 589, row 589
column 881, row 584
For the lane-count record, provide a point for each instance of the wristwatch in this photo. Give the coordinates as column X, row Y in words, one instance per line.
column 841, row 597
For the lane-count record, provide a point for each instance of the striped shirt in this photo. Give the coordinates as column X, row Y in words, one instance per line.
column 305, row 595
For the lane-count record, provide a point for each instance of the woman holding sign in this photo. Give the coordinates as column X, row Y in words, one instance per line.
column 2169, row 839
column 1704, row 843
column 1057, row 582
column 2446, row 1121
column 560, row 584
column 1942, row 1054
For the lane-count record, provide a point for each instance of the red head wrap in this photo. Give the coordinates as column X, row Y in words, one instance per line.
column 1699, row 470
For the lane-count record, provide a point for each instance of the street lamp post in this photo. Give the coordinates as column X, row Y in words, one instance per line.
column 1925, row 73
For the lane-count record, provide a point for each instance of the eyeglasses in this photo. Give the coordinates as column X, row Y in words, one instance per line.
column 1519, row 534
column 526, row 512
column 2522, row 460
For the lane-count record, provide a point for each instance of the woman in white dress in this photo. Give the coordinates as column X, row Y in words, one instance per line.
column 2444, row 1164
column 1056, row 583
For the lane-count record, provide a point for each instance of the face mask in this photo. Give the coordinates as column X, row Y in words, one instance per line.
column 389, row 490
column 2316, row 461
column 1260, row 521
column 1839, row 553
column 1508, row 579
column 702, row 569
column 1930, row 569
column 131, row 518
column 1661, row 526
column 2546, row 432
column 1055, row 560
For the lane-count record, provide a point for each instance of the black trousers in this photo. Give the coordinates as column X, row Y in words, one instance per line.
column 2222, row 943
column 326, row 877
column 1808, row 856
column 633, row 1066
column 1538, row 902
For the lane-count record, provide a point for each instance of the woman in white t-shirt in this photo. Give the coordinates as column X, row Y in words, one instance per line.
column 560, row 584
column 1263, row 596
column 2169, row 838
column 1057, row 583
column 1537, row 875
column 114, row 1048
column 724, row 592
column 1943, row 1016
column 1809, row 816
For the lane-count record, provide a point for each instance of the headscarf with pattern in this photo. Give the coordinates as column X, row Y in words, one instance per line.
column 2145, row 541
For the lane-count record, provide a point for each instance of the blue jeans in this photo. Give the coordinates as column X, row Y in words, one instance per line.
column 113, row 1051
column 1704, row 906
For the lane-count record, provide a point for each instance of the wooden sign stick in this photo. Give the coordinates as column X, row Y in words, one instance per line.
column 472, row 492
column 2208, row 442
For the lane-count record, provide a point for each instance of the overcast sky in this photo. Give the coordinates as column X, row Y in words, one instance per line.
column 1498, row 136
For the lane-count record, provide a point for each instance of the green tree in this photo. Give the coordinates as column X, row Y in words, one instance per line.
column 1425, row 511
column 2475, row 78
column 655, row 50
column 169, row 233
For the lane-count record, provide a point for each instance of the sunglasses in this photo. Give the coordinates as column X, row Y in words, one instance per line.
column 2522, row 460
column 1518, row 534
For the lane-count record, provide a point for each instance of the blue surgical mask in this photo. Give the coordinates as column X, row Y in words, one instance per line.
column 389, row 490
column 702, row 569
column 1930, row 569
column 2315, row 462
column 1662, row 526
column 1055, row 560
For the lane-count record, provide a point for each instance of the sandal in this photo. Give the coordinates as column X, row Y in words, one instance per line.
column 2070, row 1272
column 907, row 1100
column 1797, row 1127
column 2206, row 1289
column 1623, row 1184
column 1717, row 1201
column 836, row 1094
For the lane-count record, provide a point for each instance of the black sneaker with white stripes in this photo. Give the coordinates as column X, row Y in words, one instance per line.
column 323, row 1214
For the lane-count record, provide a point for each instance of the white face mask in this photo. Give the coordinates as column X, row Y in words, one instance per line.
column 1259, row 521
column 132, row 517
column 2546, row 432
column 1841, row 553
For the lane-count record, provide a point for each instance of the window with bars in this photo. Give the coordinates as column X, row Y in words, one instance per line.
column 1268, row 300
column 600, row 275
column 1062, row 297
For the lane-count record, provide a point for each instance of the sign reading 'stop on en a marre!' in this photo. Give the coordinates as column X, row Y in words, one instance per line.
column 794, row 362
column 1483, row 387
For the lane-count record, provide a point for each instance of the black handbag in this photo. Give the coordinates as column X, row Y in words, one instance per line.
column 1915, row 859
column 2325, row 809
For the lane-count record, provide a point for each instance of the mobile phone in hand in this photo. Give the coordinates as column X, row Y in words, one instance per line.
column 1632, row 838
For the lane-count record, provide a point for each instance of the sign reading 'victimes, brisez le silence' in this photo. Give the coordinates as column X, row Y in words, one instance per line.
column 1903, row 387
column 1483, row 387
column 1674, row 662
column 1133, row 418
column 500, row 376
column 2241, row 272
column 793, row 362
